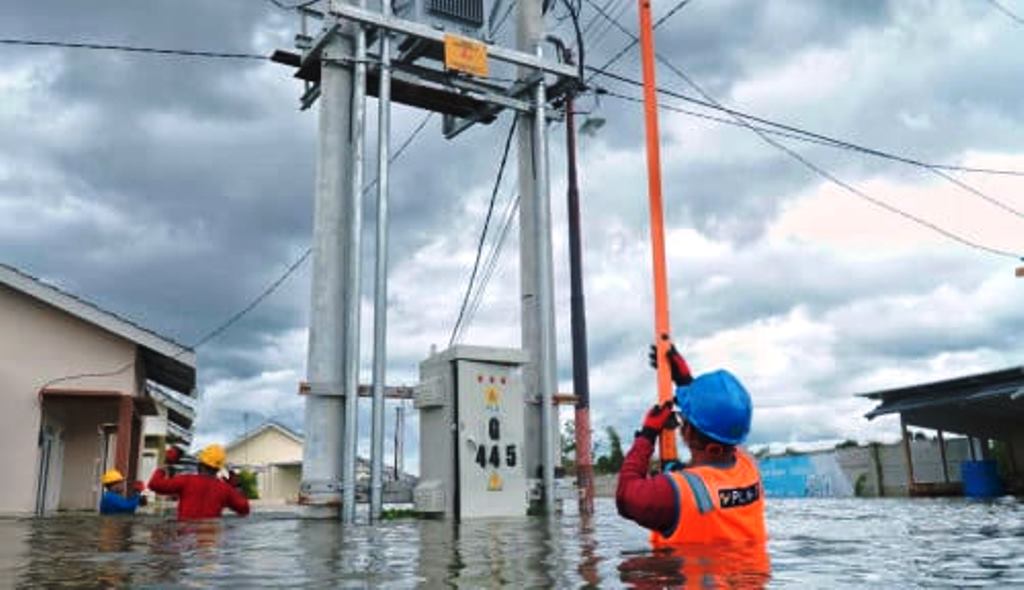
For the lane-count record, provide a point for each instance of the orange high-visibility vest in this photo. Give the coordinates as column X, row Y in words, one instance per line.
column 717, row 504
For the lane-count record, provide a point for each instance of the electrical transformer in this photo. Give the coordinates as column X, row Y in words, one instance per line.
column 470, row 400
column 463, row 17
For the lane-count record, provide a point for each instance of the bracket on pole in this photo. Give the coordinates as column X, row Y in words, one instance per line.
column 419, row 78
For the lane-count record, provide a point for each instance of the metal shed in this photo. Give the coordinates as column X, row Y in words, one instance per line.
column 984, row 407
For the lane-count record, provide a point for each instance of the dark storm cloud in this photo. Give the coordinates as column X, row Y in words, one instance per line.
column 173, row 190
column 205, row 152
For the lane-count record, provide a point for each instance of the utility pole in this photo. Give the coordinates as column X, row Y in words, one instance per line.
column 333, row 219
column 580, row 364
column 536, row 275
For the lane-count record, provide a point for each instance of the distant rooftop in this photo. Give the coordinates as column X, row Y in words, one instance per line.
column 268, row 425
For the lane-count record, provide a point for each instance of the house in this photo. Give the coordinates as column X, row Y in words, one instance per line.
column 77, row 389
column 274, row 453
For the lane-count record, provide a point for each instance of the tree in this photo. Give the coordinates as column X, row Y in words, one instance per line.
column 247, row 483
column 615, row 456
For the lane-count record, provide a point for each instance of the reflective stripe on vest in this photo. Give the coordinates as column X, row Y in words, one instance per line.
column 717, row 504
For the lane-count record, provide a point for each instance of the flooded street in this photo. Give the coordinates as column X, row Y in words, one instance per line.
column 814, row 543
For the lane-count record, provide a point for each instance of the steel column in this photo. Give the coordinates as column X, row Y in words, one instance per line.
column 546, row 376
column 380, row 286
column 354, row 229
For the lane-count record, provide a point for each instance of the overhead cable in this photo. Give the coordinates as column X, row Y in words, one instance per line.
column 296, row 6
column 847, row 186
column 491, row 262
column 249, row 307
column 1009, row 13
column 822, row 139
column 634, row 39
column 483, row 232
column 132, row 49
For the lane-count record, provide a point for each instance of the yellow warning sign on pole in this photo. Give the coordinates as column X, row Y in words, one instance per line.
column 465, row 55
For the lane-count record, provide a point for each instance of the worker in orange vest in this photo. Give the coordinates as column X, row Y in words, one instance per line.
column 718, row 496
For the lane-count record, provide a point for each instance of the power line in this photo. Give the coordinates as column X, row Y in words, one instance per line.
column 843, row 184
column 255, row 302
column 483, row 231
column 491, row 262
column 937, row 169
column 763, row 134
column 269, row 290
column 810, row 135
column 1010, row 14
column 633, row 43
column 132, row 49
column 603, row 70
column 295, row 6
column 698, row 115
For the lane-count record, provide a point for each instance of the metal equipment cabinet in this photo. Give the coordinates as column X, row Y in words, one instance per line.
column 470, row 400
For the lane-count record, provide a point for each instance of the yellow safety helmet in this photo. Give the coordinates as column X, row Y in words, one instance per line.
column 111, row 476
column 213, row 456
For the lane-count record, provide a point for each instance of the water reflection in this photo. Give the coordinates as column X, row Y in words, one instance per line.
column 818, row 543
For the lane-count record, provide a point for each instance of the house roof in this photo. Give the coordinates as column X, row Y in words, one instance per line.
column 987, row 405
column 166, row 361
column 268, row 425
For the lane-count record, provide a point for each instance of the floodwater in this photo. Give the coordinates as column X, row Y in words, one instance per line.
column 834, row 543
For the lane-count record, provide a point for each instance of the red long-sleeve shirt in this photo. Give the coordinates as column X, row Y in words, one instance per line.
column 199, row 496
column 650, row 501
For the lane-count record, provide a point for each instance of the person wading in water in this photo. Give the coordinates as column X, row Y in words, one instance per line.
column 715, row 500
column 201, row 495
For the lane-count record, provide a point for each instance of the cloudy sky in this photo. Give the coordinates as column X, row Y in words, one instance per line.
column 173, row 190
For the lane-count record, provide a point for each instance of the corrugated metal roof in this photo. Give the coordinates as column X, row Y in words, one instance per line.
column 985, row 404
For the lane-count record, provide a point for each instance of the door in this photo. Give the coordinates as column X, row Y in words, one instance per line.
column 51, row 455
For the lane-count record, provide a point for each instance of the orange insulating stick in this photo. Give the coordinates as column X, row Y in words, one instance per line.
column 667, row 442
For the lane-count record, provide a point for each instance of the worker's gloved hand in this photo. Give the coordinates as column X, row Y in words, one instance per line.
column 172, row 455
column 658, row 418
column 138, row 487
column 681, row 374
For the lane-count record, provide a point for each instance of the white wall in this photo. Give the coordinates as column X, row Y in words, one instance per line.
column 38, row 343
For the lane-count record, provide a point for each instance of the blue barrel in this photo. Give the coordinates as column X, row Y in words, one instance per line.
column 981, row 479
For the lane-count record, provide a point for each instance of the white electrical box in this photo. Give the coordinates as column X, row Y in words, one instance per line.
column 471, row 426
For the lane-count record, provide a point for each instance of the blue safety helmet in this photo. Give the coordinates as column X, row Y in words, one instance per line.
column 717, row 405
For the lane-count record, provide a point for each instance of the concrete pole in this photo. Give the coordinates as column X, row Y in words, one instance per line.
column 325, row 419
column 536, row 275
column 352, row 285
column 380, row 289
